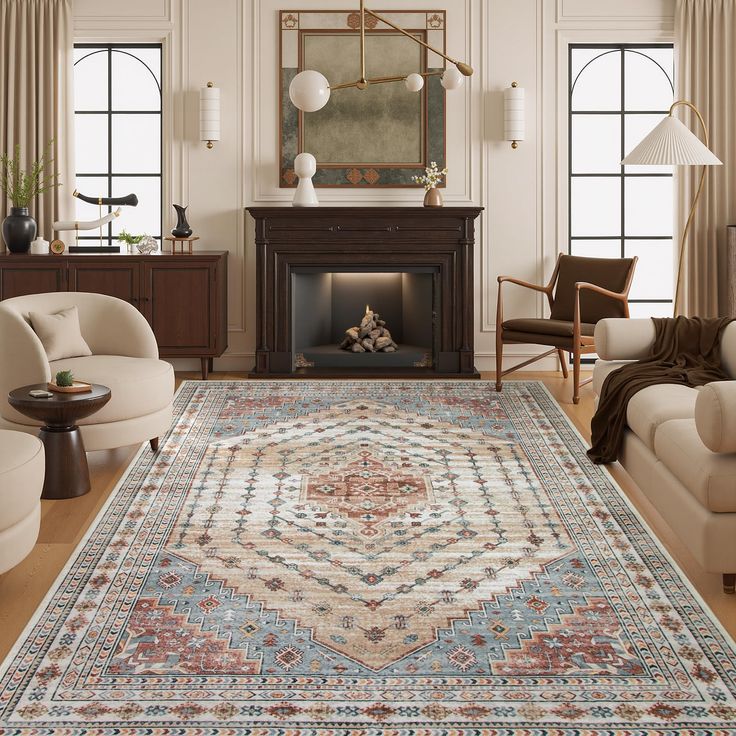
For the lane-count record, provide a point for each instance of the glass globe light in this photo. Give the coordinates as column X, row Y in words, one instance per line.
column 309, row 91
column 414, row 82
column 452, row 78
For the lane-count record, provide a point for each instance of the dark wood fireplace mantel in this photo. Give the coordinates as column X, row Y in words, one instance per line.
column 392, row 238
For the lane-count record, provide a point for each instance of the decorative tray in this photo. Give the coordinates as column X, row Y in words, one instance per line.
column 78, row 387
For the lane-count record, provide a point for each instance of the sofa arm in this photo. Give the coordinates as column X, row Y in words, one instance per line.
column 624, row 339
column 22, row 360
column 715, row 416
column 114, row 327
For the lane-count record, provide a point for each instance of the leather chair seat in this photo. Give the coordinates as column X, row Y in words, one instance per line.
column 547, row 327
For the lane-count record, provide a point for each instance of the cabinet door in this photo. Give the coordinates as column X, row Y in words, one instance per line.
column 119, row 279
column 46, row 274
column 178, row 303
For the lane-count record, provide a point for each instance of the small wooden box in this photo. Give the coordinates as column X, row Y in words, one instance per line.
column 183, row 244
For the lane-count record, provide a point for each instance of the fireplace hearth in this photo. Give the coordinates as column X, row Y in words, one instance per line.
column 318, row 269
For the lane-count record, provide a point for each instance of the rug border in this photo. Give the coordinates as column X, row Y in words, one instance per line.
column 13, row 651
column 646, row 526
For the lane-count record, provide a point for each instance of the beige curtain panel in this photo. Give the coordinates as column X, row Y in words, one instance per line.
column 705, row 32
column 36, row 99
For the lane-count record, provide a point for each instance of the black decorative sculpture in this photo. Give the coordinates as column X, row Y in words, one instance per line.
column 130, row 199
column 182, row 229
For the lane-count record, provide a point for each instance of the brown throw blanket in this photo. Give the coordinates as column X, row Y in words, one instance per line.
column 686, row 350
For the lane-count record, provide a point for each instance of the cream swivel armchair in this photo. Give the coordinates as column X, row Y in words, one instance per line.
column 124, row 357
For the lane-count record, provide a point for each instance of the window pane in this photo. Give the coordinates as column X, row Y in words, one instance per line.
column 595, row 206
column 134, row 76
column 136, row 144
column 146, row 217
column 649, row 205
column 648, row 77
column 598, row 87
column 91, row 143
column 653, row 277
column 596, row 144
column 636, row 127
column 90, row 79
column 90, row 186
column 639, row 310
column 596, row 248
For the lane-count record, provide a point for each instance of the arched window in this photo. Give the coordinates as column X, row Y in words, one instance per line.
column 117, row 103
column 617, row 94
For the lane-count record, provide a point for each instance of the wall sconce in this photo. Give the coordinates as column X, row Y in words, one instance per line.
column 513, row 114
column 209, row 114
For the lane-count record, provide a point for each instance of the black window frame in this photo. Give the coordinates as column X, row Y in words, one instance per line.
column 621, row 174
column 108, row 244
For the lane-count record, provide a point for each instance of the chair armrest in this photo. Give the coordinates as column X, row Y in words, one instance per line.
column 624, row 339
column 618, row 295
column 715, row 416
column 22, row 360
column 536, row 287
column 114, row 327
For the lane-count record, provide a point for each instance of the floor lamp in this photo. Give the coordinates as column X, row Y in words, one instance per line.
column 671, row 143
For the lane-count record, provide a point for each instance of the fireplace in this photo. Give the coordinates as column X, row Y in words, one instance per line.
column 320, row 269
column 328, row 304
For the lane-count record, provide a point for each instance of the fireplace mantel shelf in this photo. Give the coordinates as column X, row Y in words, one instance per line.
column 391, row 239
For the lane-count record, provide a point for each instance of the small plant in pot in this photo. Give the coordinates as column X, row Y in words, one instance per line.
column 21, row 187
column 64, row 379
column 129, row 240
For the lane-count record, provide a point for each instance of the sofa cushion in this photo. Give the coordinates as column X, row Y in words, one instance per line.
column 654, row 405
column 602, row 369
column 709, row 476
column 139, row 386
column 715, row 416
column 60, row 334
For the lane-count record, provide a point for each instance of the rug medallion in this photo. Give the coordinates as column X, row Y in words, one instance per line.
column 301, row 559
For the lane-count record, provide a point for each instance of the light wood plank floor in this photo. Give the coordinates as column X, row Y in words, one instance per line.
column 64, row 523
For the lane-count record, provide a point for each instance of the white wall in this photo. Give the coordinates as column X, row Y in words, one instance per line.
column 235, row 44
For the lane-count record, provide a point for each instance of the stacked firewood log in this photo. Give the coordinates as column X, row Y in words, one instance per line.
column 370, row 336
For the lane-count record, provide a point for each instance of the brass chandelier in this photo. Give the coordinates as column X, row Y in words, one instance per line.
column 310, row 90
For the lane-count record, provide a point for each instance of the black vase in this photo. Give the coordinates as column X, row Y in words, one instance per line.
column 19, row 229
column 182, row 229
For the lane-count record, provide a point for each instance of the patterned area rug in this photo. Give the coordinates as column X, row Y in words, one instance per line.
column 424, row 558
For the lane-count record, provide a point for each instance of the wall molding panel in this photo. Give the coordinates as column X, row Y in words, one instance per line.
column 235, row 44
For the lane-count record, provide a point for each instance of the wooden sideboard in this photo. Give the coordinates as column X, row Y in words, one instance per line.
column 183, row 297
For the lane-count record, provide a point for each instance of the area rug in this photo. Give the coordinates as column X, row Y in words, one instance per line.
column 369, row 557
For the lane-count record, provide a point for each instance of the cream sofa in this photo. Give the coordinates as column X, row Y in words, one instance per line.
column 21, row 483
column 680, row 445
column 124, row 357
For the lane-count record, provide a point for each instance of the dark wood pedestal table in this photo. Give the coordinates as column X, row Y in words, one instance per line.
column 67, row 473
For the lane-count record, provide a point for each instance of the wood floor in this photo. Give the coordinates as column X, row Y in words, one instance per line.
column 64, row 523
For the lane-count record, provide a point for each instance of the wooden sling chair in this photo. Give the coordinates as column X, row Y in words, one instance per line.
column 581, row 292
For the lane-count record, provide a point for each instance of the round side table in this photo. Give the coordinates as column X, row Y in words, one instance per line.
column 67, row 473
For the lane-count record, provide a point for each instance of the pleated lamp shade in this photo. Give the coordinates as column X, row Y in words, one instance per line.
column 672, row 143
column 209, row 114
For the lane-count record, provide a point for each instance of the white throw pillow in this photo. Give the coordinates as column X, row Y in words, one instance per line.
column 60, row 334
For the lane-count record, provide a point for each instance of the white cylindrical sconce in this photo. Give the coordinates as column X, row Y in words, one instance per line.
column 209, row 114
column 513, row 114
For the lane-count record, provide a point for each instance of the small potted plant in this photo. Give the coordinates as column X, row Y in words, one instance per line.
column 21, row 187
column 129, row 240
column 431, row 179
